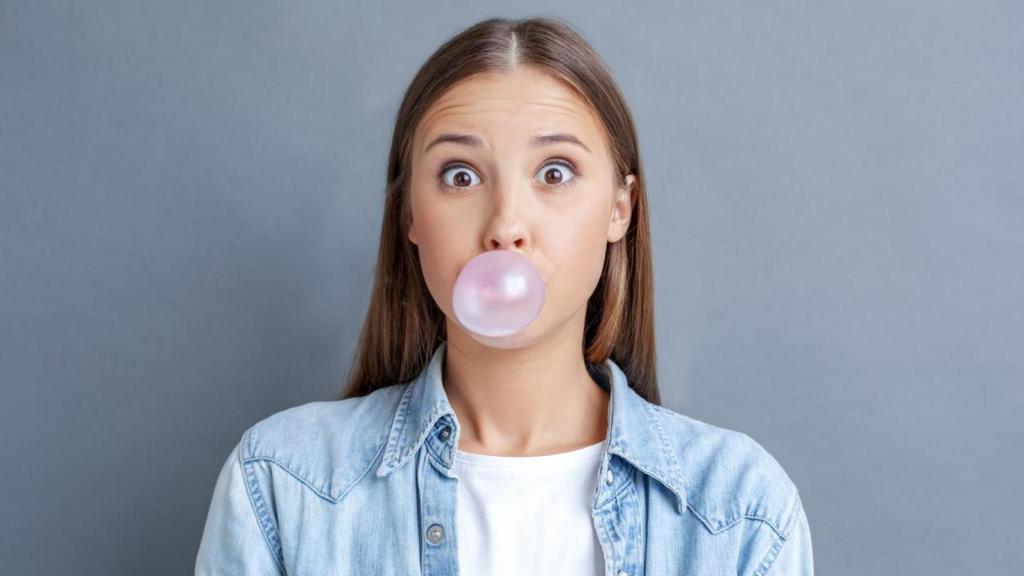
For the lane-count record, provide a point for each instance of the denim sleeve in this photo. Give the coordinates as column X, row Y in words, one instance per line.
column 233, row 541
column 796, row 558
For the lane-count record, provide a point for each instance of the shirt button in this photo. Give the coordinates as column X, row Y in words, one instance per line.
column 611, row 478
column 445, row 433
column 435, row 533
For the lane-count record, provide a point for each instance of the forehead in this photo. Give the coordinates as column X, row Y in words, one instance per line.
column 521, row 102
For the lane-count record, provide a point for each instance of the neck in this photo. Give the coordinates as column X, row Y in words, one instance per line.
column 527, row 401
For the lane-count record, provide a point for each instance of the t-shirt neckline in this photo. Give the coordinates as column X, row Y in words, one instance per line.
column 568, row 458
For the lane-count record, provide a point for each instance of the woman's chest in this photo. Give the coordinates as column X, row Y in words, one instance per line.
column 409, row 523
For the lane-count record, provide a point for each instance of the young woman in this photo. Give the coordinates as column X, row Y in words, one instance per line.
column 539, row 450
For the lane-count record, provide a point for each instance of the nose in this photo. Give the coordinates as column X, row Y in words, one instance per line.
column 505, row 241
column 506, row 229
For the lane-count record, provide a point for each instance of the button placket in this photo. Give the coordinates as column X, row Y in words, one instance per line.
column 437, row 508
column 618, row 522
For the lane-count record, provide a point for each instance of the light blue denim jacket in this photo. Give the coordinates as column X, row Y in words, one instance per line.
column 364, row 486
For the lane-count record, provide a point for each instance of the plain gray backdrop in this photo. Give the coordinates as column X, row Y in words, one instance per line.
column 190, row 204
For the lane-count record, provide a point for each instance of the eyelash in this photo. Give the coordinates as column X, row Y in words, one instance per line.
column 557, row 161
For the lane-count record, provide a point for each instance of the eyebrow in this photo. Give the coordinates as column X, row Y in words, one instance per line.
column 536, row 141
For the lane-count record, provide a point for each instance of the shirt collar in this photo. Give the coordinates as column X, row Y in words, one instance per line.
column 636, row 432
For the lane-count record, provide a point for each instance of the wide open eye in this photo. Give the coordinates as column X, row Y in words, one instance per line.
column 462, row 176
column 554, row 173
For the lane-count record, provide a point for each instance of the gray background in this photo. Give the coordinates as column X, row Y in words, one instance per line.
column 190, row 201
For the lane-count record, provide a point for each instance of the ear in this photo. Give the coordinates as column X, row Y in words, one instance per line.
column 622, row 210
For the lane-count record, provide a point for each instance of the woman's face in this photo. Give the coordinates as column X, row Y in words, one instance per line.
column 502, row 186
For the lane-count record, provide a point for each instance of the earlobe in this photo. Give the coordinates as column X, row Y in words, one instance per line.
column 412, row 234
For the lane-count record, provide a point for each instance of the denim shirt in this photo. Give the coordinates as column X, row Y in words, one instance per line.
column 365, row 485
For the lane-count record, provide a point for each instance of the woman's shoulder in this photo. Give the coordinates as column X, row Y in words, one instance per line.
column 325, row 444
column 727, row 474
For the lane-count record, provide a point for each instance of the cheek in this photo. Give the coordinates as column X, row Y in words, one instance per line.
column 440, row 248
column 583, row 244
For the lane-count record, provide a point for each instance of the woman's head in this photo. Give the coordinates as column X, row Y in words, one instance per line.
column 515, row 160
column 513, row 135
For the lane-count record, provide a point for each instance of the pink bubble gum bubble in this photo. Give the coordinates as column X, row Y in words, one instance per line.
column 498, row 293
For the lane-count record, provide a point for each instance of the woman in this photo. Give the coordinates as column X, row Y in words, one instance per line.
column 543, row 451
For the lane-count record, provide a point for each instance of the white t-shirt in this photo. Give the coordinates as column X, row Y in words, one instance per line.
column 528, row 514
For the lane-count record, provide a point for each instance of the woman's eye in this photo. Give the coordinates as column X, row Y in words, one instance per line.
column 462, row 176
column 558, row 173
column 555, row 173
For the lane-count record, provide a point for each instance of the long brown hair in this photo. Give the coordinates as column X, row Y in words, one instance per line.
column 403, row 325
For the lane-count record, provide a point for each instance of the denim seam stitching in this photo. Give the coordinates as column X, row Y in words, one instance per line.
column 783, row 529
column 768, row 522
column 421, row 435
column 769, row 558
column 653, row 415
column 795, row 506
column 258, row 504
column 319, row 492
column 618, row 492
column 714, row 529
column 635, row 505
column 401, row 416
column 605, row 525
column 364, row 472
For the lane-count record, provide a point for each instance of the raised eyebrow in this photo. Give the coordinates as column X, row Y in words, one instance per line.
column 536, row 141
column 544, row 140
